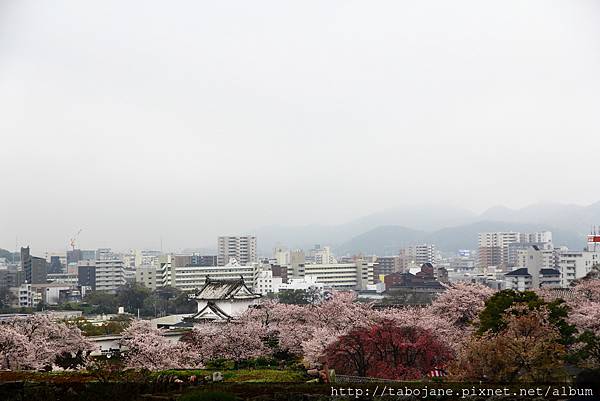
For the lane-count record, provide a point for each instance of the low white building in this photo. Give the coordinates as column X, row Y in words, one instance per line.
column 266, row 283
column 343, row 276
column 306, row 283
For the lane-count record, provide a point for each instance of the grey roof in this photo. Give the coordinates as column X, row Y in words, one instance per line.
column 519, row 272
column 550, row 272
column 214, row 289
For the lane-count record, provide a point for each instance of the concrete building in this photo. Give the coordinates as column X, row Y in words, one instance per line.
column 101, row 275
column 34, row 268
column 110, row 274
column 86, row 274
column 189, row 278
column 574, row 265
column 494, row 246
column 349, row 276
column 321, row 255
column 385, row 265
column 147, row 276
column 306, row 283
column 266, row 282
column 536, row 269
column 241, row 248
column 282, row 256
column 420, row 254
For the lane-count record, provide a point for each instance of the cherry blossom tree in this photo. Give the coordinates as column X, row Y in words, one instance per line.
column 147, row 348
column 38, row 342
column 16, row 351
column 585, row 315
column 236, row 341
column 461, row 303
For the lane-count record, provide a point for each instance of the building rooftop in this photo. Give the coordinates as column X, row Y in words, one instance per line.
column 519, row 272
column 220, row 289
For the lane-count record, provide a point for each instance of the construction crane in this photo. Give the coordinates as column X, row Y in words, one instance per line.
column 74, row 239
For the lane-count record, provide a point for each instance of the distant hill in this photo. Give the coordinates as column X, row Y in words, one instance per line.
column 6, row 254
column 418, row 218
column 383, row 240
column 566, row 217
column 387, row 240
column 449, row 228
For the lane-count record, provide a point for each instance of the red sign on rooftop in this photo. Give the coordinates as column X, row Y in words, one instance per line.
column 593, row 239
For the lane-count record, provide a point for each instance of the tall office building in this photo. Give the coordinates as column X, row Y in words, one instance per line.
column 242, row 248
column 34, row 268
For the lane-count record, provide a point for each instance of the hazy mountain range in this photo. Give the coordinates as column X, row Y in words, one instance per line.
column 449, row 228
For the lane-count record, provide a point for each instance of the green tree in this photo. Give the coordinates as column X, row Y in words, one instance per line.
column 101, row 302
column 492, row 318
column 299, row 297
column 132, row 296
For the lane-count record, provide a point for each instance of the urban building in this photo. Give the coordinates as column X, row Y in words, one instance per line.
column 385, row 265
column 420, row 254
column 494, row 247
column 266, row 283
column 110, row 274
column 147, row 276
column 34, row 268
column 349, row 276
column 574, row 265
column 240, row 248
column 321, row 255
column 86, row 274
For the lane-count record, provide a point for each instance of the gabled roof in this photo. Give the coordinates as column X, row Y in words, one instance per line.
column 210, row 312
column 519, row 272
column 221, row 289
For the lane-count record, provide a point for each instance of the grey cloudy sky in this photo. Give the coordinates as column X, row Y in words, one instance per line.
column 136, row 119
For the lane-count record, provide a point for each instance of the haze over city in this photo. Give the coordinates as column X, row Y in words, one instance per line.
column 144, row 121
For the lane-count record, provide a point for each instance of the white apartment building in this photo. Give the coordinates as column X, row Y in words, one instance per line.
column 282, row 256
column 574, row 265
column 322, row 255
column 110, row 274
column 539, row 237
column 420, row 254
column 241, row 248
column 349, row 276
column 265, row 283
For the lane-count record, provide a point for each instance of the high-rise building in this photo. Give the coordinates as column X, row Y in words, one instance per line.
column 241, row 248
column 34, row 268
column 421, row 254
column 498, row 248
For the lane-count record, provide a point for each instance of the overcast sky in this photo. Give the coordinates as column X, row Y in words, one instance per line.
column 140, row 119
